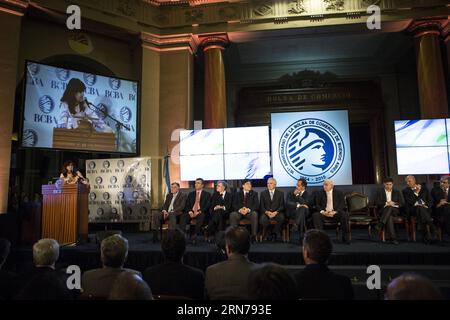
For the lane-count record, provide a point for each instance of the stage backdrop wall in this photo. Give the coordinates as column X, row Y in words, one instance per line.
column 120, row 190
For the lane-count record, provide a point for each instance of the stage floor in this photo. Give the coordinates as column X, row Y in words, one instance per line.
column 143, row 253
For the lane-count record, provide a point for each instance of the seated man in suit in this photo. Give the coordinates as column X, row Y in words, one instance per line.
column 229, row 279
column 316, row 281
column 220, row 207
column 388, row 201
column 99, row 282
column 197, row 206
column 330, row 204
column 272, row 208
column 245, row 206
column 173, row 208
column 173, row 278
column 418, row 203
column 297, row 203
column 441, row 203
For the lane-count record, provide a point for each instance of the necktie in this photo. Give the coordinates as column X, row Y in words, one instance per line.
column 245, row 199
column 172, row 202
column 197, row 202
column 271, row 195
column 446, row 193
column 329, row 202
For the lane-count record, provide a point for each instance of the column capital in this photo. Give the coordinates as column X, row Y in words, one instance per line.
column 419, row 28
column 174, row 42
column 214, row 40
column 446, row 32
column 15, row 7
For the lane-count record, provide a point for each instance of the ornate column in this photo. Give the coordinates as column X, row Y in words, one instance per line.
column 430, row 70
column 166, row 102
column 11, row 13
column 215, row 89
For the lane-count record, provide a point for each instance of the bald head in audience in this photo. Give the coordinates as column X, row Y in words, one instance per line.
column 412, row 287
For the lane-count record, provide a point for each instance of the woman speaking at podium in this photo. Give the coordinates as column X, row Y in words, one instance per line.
column 75, row 107
column 70, row 175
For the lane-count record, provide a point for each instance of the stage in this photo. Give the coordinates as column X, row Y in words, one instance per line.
column 143, row 253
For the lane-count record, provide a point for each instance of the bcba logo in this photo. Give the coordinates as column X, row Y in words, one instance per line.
column 46, row 104
column 125, row 114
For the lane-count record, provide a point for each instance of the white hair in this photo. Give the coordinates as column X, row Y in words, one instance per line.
column 45, row 252
column 114, row 251
column 273, row 180
column 328, row 181
column 410, row 176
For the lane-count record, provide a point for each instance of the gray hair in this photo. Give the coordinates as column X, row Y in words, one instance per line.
column 410, row 176
column 328, row 181
column 45, row 252
column 224, row 183
column 273, row 180
column 114, row 251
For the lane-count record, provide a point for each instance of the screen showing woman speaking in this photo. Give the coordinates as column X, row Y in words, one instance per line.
column 67, row 109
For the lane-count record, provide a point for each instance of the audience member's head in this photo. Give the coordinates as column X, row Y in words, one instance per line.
column 174, row 187
column 271, row 282
column 328, row 185
column 412, row 287
column 114, row 251
column 302, row 184
column 410, row 181
column 199, row 184
column 247, row 185
column 173, row 245
column 445, row 182
column 45, row 253
column 130, row 286
column 221, row 186
column 5, row 246
column 317, row 247
column 237, row 240
column 388, row 183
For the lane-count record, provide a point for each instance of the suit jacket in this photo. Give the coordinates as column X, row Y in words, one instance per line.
column 217, row 200
column 293, row 199
column 316, row 281
column 8, row 285
column 437, row 194
column 252, row 201
column 228, row 279
column 178, row 205
column 396, row 196
column 205, row 198
column 99, row 282
column 338, row 200
column 411, row 198
column 276, row 204
column 175, row 279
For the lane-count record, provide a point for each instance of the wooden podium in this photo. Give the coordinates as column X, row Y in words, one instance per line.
column 83, row 137
column 65, row 212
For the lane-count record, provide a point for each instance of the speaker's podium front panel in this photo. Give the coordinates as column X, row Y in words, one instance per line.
column 65, row 212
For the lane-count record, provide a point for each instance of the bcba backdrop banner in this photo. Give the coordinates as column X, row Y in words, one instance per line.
column 120, row 190
column 311, row 145
column 43, row 111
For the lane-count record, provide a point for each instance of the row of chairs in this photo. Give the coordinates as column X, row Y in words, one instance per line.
column 361, row 214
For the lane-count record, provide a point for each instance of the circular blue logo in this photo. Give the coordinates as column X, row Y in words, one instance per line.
column 91, row 165
column 30, row 138
column 106, row 164
column 33, row 68
column 135, row 194
column 113, row 180
column 62, row 74
column 312, row 149
column 129, row 179
column 114, row 83
column 114, row 210
column 98, row 180
column 90, row 79
column 102, row 112
column 46, row 104
column 125, row 114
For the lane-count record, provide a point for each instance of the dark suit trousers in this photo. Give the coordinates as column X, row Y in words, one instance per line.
column 185, row 219
column 444, row 217
column 299, row 216
column 423, row 217
column 158, row 218
column 265, row 222
column 217, row 221
column 235, row 217
column 387, row 219
column 341, row 217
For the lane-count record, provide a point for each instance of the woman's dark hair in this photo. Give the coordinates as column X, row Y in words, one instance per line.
column 64, row 168
column 75, row 85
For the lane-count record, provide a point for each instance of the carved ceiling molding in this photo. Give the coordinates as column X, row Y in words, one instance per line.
column 437, row 27
column 175, row 42
column 168, row 15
